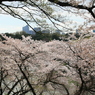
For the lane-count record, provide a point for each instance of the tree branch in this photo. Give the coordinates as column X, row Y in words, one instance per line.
column 32, row 89
column 67, row 4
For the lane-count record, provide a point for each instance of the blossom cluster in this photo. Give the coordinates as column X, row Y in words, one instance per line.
column 55, row 65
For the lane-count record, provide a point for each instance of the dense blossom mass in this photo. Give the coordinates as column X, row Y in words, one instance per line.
column 47, row 68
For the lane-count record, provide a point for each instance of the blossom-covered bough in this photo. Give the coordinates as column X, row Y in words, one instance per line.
column 31, row 67
column 38, row 11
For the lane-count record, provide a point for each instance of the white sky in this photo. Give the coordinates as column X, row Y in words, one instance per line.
column 10, row 24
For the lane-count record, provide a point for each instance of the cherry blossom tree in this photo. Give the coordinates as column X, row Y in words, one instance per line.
column 48, row 13
column 53, row 68
column 81, row 4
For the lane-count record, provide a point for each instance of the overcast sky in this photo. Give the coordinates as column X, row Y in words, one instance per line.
column 10, row 24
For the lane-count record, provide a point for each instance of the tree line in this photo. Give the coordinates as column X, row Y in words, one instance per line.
column 42, row 36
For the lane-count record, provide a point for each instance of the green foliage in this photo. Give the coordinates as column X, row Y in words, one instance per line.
column 56, row 36
column 87, row 37
column 42, row 36
column 46, row 36
column 74, row 82
column 66, row 35
column 17, row 35
column 2, row 38
column 77, row 35
column 39, row 36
